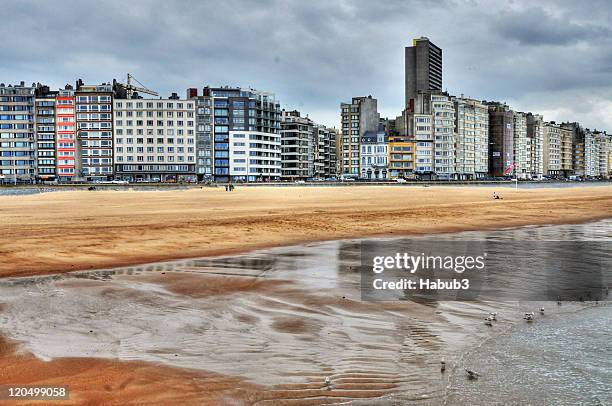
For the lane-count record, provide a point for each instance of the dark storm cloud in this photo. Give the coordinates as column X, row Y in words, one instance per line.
column 554, row 57
column 536, row 26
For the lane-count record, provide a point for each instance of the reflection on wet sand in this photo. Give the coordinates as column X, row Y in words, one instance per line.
column 284, row 319
column 269, row 325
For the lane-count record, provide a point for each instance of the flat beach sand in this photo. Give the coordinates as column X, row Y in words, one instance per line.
column 66, row 231
column 79, row 230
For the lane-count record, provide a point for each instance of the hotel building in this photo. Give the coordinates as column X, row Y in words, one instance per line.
column 94, row 121
column 17, row 137
column 155, row 140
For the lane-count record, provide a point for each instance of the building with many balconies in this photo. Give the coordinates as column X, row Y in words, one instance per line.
column 17, row 134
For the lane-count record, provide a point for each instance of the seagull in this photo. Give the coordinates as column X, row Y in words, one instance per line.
column 488, row 322
column 472, row 374
column 493, row 316
column 529, row 316
column 328, row 382
column 541, row 310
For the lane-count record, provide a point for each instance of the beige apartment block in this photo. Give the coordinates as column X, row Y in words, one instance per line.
column 155, row 140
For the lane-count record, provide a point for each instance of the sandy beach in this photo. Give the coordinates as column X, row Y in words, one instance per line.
column 65, row 231
column 257, row 329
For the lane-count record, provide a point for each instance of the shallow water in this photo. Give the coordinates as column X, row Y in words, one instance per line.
column 563, row 360
column 284, row 318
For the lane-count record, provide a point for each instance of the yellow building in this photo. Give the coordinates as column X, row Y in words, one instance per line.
column 401, row 158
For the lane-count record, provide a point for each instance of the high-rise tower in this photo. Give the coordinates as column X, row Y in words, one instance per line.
column 423, row 67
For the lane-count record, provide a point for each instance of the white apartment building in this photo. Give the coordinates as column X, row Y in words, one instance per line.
column 604, row 150
column 472, row 139
column 535, row 145
column 94, row 118
column 155, row 140
column 551, row 149
column 520, row 152
column 443, row 111
column 254, row 156
column 424, row 147
column 374, row 156
column 591, row 154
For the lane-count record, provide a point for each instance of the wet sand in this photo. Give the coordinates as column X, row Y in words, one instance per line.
column 271, row 337
column 64, row 231
column 111, row 382
column 261, row 328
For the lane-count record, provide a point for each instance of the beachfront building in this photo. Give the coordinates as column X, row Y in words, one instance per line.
column 240, row 128
column 501, row 138
column 422, row 68
column 422, row 125
column 357, row 118
column 401, row 157
column 535, row 145
column 443, row 111
column 430, row 121
column 587, row 145
column 567, row 164
column 17, row 137
column 298, row 146
column 94, row 122
column 326, row 165
column 522, row 167
column 552, row 149
column 45, row 129
column 472, row 138
column 603, row 141
column 155, row 140
column 204, row 135
column 66, row 136
column 374, row 155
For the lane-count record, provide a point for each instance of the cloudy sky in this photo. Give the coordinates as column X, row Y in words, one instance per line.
column 550, row 57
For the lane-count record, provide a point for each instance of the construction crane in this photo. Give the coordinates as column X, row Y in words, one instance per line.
column 130, row 88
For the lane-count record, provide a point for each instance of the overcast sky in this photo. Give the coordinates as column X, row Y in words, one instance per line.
column 549, row 57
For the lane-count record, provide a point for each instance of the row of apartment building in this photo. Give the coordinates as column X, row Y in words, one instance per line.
column 97, row 133
column 440, row 136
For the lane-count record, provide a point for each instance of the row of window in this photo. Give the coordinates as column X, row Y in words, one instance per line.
column 160, row 158
column 160, row 123
column 159, row 150
column 152, row 140
column 149, row 105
